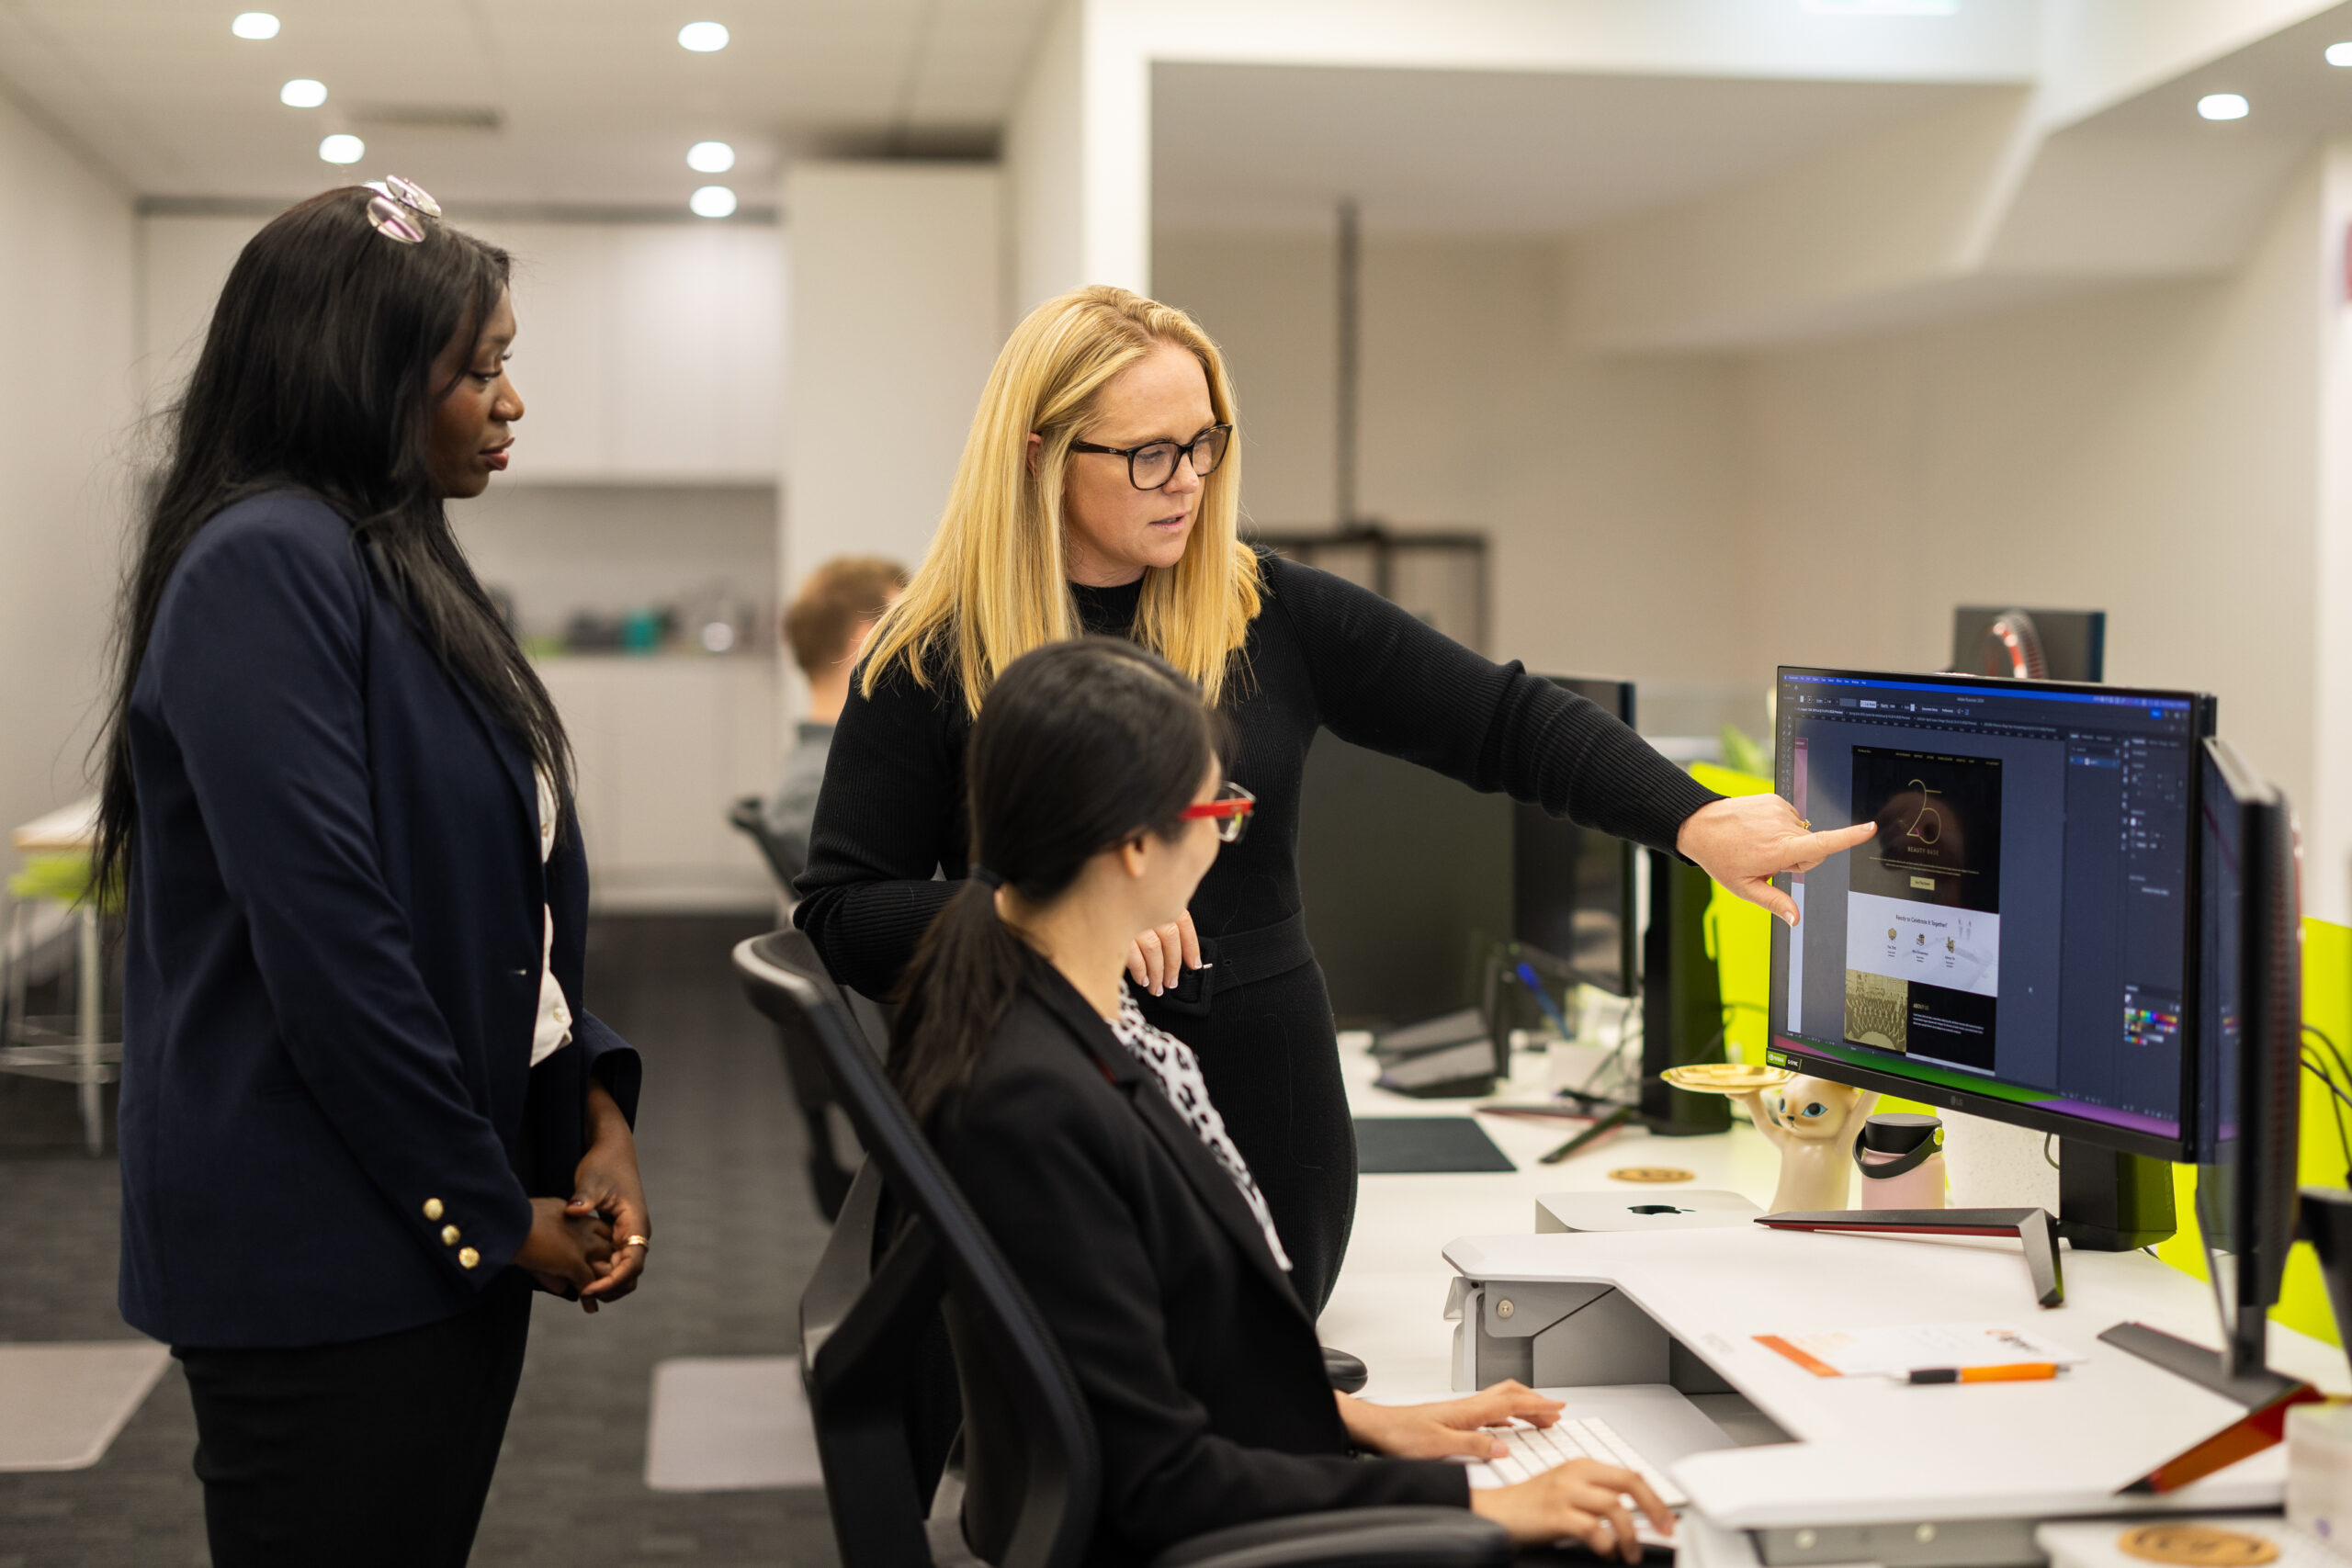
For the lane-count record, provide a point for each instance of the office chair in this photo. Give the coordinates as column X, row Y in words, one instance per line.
column 748, row 816
column 1031, row 1471
column 834, row 1150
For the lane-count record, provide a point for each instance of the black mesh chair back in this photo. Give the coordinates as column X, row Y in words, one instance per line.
column 864, row 1316
column 906, row 1250
column 748, row 816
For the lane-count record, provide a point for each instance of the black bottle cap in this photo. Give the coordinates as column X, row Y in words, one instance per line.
column 1899, row 1131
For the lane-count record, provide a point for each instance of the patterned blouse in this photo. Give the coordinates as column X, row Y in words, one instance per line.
column 1171, row 1061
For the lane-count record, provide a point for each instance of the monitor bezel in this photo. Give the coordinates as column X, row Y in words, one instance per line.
column 2180, row 1148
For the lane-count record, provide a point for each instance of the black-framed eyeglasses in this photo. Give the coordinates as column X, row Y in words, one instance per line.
column 1153, row 464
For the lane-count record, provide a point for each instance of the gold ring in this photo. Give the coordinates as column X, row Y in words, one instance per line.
column 1805, row 823
column 645, row 1242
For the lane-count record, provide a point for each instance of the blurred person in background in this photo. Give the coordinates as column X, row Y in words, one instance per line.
column 826, row 627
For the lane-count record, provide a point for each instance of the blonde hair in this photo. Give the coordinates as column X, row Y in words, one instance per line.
column 992, row 585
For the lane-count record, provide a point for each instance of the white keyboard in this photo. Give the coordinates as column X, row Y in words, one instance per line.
column 1535, row 1450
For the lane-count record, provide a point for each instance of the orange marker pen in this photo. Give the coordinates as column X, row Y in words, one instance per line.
column 2016, row 1371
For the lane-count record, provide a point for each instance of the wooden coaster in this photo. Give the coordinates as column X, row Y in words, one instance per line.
column 1651, row 1173
column 1725, row 1077
column 2198, row 1546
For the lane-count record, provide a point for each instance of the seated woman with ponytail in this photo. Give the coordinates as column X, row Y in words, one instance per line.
column 1086, row 1142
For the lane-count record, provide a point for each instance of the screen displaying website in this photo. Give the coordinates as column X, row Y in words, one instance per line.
column 2018, row 926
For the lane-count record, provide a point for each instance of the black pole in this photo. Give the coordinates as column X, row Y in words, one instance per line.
column 1351, row 266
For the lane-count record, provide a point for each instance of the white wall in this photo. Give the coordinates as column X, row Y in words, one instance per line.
column 2149, row 451
column 1608, row 488
column 2163, row 451
column 2327, row 815
column 897, row 313
column 66, row 416
column 648, row 352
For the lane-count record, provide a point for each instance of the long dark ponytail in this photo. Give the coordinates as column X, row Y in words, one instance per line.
column 1082, row 746
column 316, row 375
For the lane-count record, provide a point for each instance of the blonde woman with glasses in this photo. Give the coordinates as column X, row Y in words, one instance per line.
column 1098, row 492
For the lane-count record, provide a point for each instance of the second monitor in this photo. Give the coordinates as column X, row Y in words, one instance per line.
column 1407, row 875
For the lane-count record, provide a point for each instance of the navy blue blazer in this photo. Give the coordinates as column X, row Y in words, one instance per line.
column 330, row 1125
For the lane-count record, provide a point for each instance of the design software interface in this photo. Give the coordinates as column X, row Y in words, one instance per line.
column 2019, row 927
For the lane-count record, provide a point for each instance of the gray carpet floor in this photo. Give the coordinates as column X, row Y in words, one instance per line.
column 736, row 1235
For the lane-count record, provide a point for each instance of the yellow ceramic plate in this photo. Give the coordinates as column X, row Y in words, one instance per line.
column 1725, row 1077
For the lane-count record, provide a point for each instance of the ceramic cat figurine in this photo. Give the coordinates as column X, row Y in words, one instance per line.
column 1812, row 1122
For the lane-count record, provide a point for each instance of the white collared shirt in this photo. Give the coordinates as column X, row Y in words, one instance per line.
column 553, row 1031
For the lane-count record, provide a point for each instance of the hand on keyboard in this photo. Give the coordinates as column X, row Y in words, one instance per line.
column 1452, row 1428
column 1581, row 1500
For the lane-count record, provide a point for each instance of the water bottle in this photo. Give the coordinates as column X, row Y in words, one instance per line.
column 1901, row 1157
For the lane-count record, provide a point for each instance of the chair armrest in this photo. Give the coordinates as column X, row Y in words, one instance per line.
column 1357, row 1538
column 844, row 1268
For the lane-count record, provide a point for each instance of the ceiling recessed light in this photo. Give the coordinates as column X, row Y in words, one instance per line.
column 342, row 148
column 2223, row 106
column 710, row 157
column 254, row 24
column 302, row 94
column 713, row 201
column 2339, row 54
column 703, row 38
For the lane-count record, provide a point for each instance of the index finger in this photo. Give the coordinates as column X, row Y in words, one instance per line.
column 1192, row 939
column 1520, row 1400
column 1836, row 840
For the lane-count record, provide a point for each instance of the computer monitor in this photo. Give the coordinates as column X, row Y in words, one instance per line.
column 2019, row 941
column 1572, row 888
column 1406, row 875
column 1410, row 877
column 2043, row 645
column 2250, row 1016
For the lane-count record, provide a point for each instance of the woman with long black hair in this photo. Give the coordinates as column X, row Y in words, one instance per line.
column 1088, row 1144
column 364, row 1110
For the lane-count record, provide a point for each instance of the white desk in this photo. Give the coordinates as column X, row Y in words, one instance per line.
column 1865, row 1450
column 1389, row 1303
column 43, row 1050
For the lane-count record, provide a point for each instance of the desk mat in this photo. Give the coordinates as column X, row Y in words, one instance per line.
column 1407, row 1145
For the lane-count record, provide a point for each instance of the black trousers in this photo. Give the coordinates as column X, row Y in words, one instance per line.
column 379, row 1451
column 1270, row 1057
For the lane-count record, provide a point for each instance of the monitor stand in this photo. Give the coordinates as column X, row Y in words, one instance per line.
column 2203, row 1367
column 2112, row 1203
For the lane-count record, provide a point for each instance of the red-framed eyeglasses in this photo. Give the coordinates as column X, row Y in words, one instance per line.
column 1230, row 810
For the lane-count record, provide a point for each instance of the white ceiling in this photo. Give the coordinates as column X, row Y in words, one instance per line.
column 1483, row 151
column 2294, row 93
column 596, row 101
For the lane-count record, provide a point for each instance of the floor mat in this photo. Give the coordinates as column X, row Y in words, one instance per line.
column 729, row 1423
column 61, row 1405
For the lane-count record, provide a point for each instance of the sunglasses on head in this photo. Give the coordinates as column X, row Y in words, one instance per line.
column 398, row 208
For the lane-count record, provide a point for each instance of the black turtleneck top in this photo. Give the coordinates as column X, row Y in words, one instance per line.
column 1322, row 654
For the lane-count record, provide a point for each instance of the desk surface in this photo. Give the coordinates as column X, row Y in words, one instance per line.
column 1389, row 1306
column 1388, row 1309
column 67, row 828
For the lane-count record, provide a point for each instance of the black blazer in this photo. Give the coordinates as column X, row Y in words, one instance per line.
column 331, row 976
column 1199, row 1365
